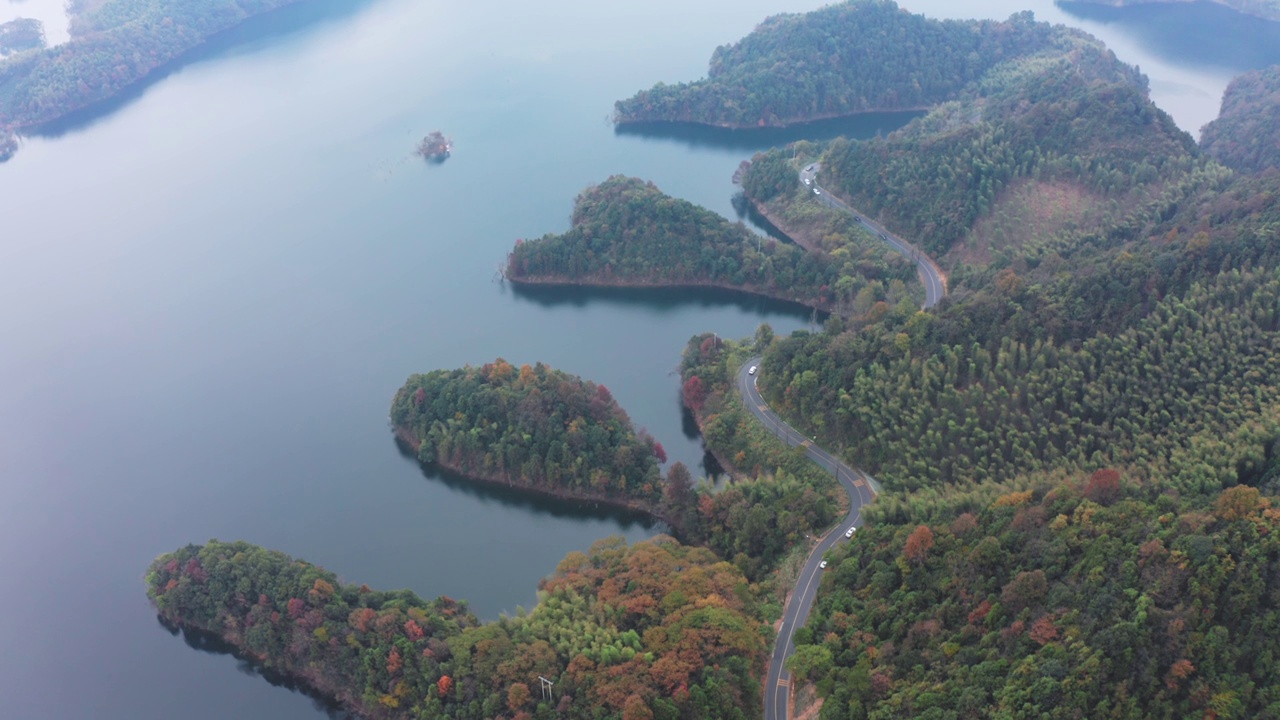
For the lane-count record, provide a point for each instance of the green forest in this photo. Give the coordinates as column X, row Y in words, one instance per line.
column 654, row 631
column 114, row 44
column 1246, row 134
column 853, row 57
column 628, row 232
column 532, row 427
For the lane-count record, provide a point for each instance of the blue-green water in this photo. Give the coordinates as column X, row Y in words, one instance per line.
column 210, row 290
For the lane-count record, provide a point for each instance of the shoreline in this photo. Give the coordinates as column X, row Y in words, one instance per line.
column 595, row 282
column 619, row 121
column 412, row 442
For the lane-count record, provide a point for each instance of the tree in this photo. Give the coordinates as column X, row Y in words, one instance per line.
column 918, row 544
column 695, row 393
column 517, row 697
column 636, row 709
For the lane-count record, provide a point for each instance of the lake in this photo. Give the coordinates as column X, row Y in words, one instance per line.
column 211, row 289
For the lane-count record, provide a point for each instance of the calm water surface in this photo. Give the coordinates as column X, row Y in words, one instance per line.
column 210, row 292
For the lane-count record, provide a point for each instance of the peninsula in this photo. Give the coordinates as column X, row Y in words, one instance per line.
column 653, row 630
column 627, row 233
column 114, row 44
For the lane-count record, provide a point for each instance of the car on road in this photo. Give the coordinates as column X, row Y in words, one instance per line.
column 856, row 218
column 822, row 565
column 850, row 532
column 816, row 191
column 809, row 169
column 752, row 371
column 807, row 181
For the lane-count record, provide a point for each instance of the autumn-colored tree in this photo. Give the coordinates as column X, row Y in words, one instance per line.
column 695, row 393
column 413, row 630
column 1238, row 502
column 1044, row 631
column 517, row 697
column 1179, row 671
column 1103, row 486
column 444, row 685
column 394, row 661
column 636, row 709
column 660, row 452
column 918, row 544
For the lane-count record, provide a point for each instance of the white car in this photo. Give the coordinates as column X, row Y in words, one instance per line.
column 850, row 531
column 752, row 371
column 816, row 191
column 822, row 565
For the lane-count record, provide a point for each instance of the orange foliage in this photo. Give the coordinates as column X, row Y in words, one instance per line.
column 918, row 544
column 444, row 684
column 394, row 661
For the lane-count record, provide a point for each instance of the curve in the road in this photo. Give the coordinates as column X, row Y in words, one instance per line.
column 861, row 490
column 935, row 285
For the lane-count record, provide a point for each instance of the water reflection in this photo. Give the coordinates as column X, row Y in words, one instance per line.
column 207, row 642
column 702, row 136
column 530, row 502
column 660, row 299
column 253, row 33
column 1190, row 34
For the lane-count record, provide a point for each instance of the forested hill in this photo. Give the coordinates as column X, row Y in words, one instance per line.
column 1094, row 596
column 857, row 56
column 114, row 44
column 1040, row 152
column 1246, row 135
column 655, row 630
column 627, row 232
column 531, row 427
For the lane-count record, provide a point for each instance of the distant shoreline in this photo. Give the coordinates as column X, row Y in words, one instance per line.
column 1262, row 9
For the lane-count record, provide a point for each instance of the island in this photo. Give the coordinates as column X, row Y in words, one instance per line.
column 21, row 34
column 1265, row 9
column 114, row 45
column 651, row 630
column 1246, row 134
column 435, row 146
column 627, row 233
column 848, row 58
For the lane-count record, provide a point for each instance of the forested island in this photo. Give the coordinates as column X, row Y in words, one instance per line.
column 656, row 630
column 1246, row 134
column 1265, row 9
column 627, row 233
column 531, row 427
column 114, row 44
column 853, row 57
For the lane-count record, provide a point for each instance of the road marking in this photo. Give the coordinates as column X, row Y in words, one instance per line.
column 784, row 683
column 764, row 408
column 858, row 483
column 807, row 443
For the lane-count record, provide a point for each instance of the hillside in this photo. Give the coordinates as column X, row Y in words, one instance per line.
column 853, row 57
column 1246, row 134
column 1079, row 597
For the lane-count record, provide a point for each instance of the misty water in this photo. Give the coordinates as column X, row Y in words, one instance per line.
column 211, row 288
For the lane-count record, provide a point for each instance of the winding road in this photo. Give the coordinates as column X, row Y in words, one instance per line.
column 861, row 489
column 935, row 285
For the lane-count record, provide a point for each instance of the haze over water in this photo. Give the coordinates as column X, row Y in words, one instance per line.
column 209, row 294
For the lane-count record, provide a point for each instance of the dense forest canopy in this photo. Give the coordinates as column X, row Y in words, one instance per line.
column 1090, row 596
column 530, row 426
column 655, row 630
column 856, row 56
column 1246, row 135
column 628, row 232
column 114, row 44
column 21, row 34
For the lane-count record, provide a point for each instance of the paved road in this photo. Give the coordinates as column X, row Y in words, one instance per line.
column 935, row 287
column 861, row 491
